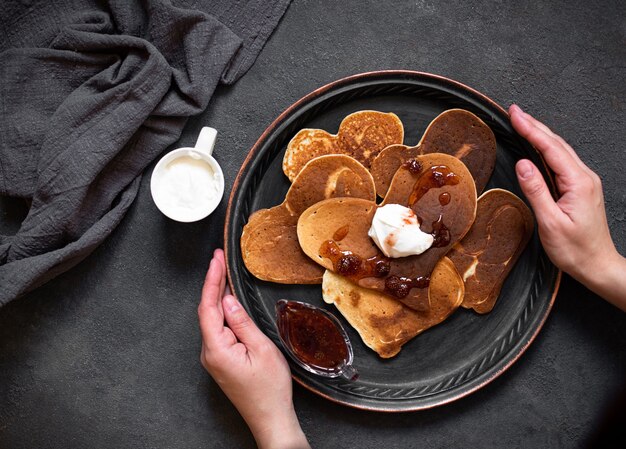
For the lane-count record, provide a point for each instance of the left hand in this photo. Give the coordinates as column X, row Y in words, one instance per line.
column 246, row 365
column 573, row 230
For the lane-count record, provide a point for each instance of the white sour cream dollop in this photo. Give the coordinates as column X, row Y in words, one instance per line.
column 397, row 233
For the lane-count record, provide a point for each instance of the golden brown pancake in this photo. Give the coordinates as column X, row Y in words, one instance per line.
column 352, row 218
column 270, row 249
column 387, row 163
column 269, row 243
column 362, row 135
column 324, row 220
column 488, row 252
column 456, row 132
column 384, row 323
column 329, row 176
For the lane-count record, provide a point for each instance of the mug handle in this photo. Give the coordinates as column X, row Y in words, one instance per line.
column 206, row 140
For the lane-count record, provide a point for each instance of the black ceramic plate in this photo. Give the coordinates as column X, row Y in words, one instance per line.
column 467, row 350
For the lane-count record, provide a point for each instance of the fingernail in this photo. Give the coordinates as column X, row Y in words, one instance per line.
column 524, row 169
column 521, row 115
column 231, row 303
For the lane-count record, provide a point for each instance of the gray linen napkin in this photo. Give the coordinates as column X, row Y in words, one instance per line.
column 90, row 93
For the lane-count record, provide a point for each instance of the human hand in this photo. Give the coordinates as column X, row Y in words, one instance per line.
column 573, row 230
column 246, row 365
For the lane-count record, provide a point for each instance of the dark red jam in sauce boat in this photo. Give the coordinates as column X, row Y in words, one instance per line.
column 315, row 339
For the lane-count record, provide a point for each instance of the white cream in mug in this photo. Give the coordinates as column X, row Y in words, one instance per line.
column 188, row 187
column 397, row 233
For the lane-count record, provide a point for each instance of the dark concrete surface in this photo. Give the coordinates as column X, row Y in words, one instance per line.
column 106, row 355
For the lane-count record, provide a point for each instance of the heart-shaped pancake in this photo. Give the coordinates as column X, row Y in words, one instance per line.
column 488, row 252
column 456, row 132
column 384, row 323
column 334, row 233
column 362, row 135
column 269, row 242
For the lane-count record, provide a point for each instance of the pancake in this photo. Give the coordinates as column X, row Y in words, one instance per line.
column 329, row 176
column 362, row 135
column 387, row 163
column 384, row 323
column 321, row 225
column 488, row 252
column 270, row 249
column 269, row 242
column 456, row 132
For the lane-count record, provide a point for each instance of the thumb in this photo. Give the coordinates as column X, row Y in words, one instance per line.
column 534, row 187
column 240, row 322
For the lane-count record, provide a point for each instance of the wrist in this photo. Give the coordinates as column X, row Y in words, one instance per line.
column 593, row 266
column 280, row 432
column 607, row 278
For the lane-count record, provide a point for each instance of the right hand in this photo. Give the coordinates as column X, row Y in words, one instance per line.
column 573, row 230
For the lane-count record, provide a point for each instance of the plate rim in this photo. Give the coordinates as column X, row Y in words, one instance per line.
column 488, row 376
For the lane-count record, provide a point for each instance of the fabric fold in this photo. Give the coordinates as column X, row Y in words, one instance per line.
column 85, row 113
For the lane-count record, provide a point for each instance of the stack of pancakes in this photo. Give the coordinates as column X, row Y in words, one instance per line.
column 337, row 181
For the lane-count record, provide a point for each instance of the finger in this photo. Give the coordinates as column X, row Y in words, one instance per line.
column 558, row 140
column 542, row 126
column 567, row 147
column 241, row 324
column 210, row 313
column 212, row 291
column 571, row 151
column 534, row 187
column 218, row 254
column 557, row 157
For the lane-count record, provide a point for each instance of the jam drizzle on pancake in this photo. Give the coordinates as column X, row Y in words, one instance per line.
column 440, row 233
column 341, row 233
column 400, row 286
column 436, row 176
column 354, row 267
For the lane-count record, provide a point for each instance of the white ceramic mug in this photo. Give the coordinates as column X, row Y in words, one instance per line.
column 187, row 184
